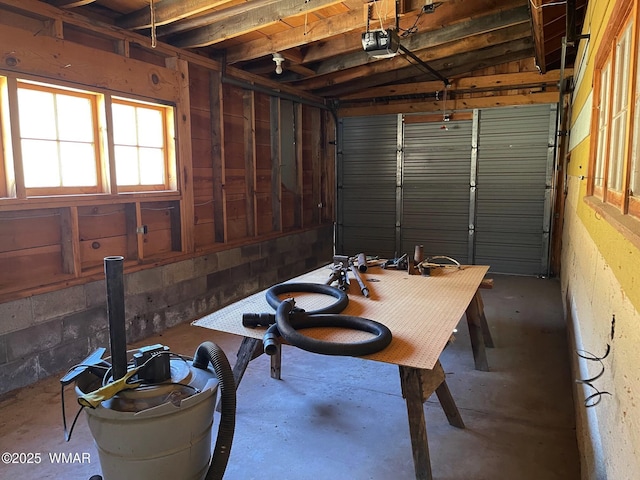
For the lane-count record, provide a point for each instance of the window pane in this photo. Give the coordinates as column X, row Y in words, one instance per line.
column 40, row 163
column 151, row 166
column 75, row 118
column 150, row 130
column 124, row 124
column 127, row 165
column 619, row 112
column 603, row 127
column 614, row 181
column 78, row 165
column 37, row 114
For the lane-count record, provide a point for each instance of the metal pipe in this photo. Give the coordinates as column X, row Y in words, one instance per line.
column 113, row 270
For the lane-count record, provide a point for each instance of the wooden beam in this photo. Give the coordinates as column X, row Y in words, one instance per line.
column 249, row 131
column 216, row 127
column 166, row 11
column 29, row 7
column 464, row 63
column 537, row 26
column 501, row 81
column 70, row 3
column 276, row 161
column 184, row 153
column 428, row 40
column 61, row 60
column 371, row 67
column 219, row 15
column 245, row 21
column 417, row 106
column 449, row 13
column 296, row 37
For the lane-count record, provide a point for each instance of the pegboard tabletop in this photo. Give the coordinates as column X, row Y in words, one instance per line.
column 420, row 311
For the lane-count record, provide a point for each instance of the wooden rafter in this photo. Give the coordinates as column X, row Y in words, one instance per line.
column 246, row 20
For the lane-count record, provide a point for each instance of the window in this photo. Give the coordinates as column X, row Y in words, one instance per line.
column 58, row 137
column 616, row 123
column 58, row 140
column 139, row 138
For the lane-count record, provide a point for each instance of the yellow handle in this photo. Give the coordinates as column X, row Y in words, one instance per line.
column 95, row 398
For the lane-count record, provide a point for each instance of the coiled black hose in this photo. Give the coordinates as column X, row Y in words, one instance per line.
column 210, row 352
column 336, row 307
column 288, row 322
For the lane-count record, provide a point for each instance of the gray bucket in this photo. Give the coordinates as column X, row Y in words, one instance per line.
column 156, row 433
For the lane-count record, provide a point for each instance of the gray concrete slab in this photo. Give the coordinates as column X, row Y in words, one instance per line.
column 344, row 418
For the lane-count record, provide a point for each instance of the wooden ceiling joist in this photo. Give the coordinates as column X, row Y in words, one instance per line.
column 245, row 21
column 166, row 11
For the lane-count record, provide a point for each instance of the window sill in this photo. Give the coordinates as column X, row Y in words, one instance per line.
column 627, row 225
column 52, row 201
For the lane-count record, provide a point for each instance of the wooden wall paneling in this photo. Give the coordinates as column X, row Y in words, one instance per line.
column 264, row 212
column 276, row 180
column 328, row 145
column 250, row 161
column 316, row 164
column 234, row 160
column 31, row 229
column 70, row 241
column 307, row 165
column 141, row 232
column 103, row 230
column 201, row 146
column 43, row 56
column 297, row 125
column 184, row 152
column 218, row 156
column 131, row 215
column 31, row 268
column 162, row 221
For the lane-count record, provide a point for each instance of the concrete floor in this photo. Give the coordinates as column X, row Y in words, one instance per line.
column 344, row 418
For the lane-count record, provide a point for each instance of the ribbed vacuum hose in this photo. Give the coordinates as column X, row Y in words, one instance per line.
column 210, row 352
column 288, row 322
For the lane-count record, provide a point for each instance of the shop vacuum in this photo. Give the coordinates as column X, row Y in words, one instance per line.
column 151, row 411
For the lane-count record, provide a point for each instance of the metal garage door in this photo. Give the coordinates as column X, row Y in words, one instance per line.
column 435, row 207
column 367, row 161
column 479, row 191
column 515, row 162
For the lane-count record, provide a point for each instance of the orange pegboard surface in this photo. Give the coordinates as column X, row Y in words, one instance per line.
column 421, row 312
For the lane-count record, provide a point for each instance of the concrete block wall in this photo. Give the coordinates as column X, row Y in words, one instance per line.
column 45, row 334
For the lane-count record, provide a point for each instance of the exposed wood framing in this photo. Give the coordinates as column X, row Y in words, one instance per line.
column 276, row 180
column 244, row 21
column 363, row 67
column 217, row 157
column 166, row 11
column 185, row 176
column 250, row 161
column 452, row 105
column 537, row 25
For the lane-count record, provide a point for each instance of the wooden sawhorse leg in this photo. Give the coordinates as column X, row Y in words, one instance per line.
column 417, row 386
column 479, row 332
column 251, row 348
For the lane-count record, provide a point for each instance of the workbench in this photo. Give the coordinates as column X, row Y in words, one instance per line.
column 421, row 312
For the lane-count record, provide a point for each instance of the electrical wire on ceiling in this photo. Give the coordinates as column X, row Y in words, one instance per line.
column 152, row 12
column 538, row 7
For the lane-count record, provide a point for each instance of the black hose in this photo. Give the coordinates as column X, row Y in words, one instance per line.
column 288, row 322
column 336, row 307
column 210, row 352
